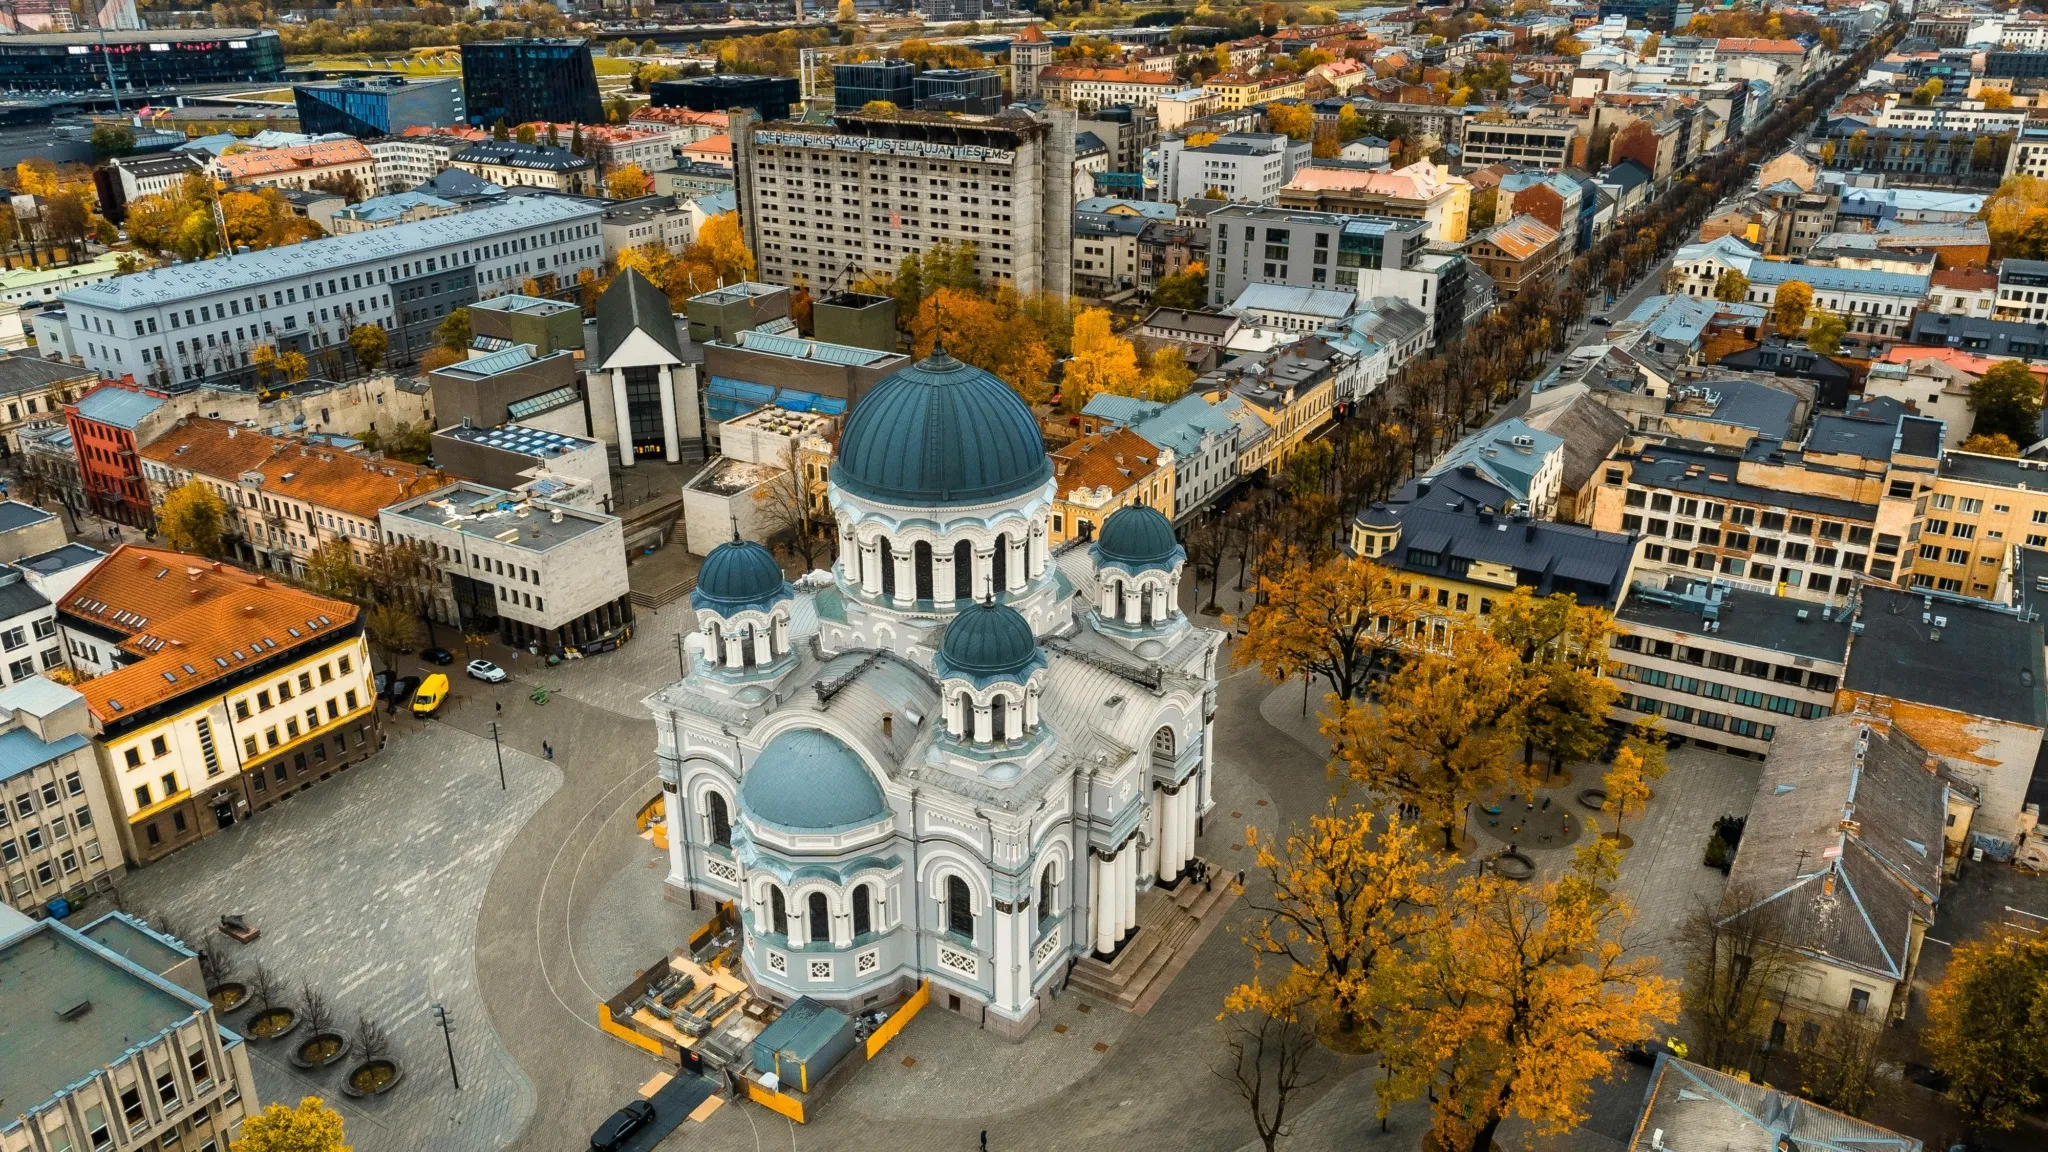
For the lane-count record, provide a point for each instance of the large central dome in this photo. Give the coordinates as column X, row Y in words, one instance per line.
column 941, row 432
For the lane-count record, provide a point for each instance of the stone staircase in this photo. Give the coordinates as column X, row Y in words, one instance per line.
column 1171, row 925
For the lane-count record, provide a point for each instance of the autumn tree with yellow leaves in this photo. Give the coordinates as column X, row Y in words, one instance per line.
column 192, row 518
column 992, row 334
column 310, row 1127
column 1335, row 620
column 1444, row 731
column 629, row 182
column 1513, row 999
column 1348, row 891
column 1562, row 647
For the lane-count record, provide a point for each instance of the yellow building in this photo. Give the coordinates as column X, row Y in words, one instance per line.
column 1234, row 90
column 1980, row 509
column 1292, row 390
column 1096, row 475
column 215, row 692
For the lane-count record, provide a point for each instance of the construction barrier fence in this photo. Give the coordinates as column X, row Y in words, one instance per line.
column 789, row 1106
column 614, row 1028
column 880, row 1037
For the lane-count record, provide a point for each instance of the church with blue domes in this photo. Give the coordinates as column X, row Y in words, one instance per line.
column 960, row 755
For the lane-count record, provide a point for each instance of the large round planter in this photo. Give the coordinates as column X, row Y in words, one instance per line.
column 1514, row 866
column 271, row 1024
column 325, row 1048
column 229, row 996
column 372, row 1078
column 1593, row 798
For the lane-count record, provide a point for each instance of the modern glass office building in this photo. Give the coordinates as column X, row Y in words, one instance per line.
column 854, row 85
column 380, row 106
column 520, row 81
column 768, row 96
column 146, row 61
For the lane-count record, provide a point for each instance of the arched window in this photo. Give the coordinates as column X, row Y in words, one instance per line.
column 959, row 908
column 721, row 822
column 1145, row 602
column 778, row 913
column 1119, row 599
column 999, row 718
column 821, row 919
column 999, row 564
column 887, row 556
column 921, row 568
column 1048, row 888
column 750, row 646
column 863, row 916
column 1162, row 748
column 963, row 571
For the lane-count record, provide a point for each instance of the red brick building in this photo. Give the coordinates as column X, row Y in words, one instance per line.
column 107, row 425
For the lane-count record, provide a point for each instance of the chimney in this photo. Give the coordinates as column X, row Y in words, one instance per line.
column 249, row 610
column 888, row 723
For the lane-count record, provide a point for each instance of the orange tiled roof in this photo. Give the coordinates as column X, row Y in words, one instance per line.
column 1751, row 44
column 245, row 165
column 1954, row 357
column 594, row 133
column 719, row 145
column 355, row 485
column 1965, row 279
column 1108, row 75
column 191, row 621
column 456, row 131
column 1031, row 34
column 1522, row 237
column 681, row 116
column 1113, row 460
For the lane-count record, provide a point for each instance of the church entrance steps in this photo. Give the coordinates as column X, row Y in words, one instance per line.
column 1172, row 923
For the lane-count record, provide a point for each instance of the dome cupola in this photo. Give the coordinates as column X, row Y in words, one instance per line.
column 742, row 605
column 809, row 781
column 1137, row 538
column 989, row 642
column 941, row 432
column 738, row 575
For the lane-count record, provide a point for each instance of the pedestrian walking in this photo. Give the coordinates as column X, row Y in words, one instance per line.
column 548, row 748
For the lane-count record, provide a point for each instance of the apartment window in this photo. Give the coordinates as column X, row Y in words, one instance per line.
column 249, row 747
column 242, row 709
column 170, row 783
column 72, row 784
column 131, row 1105
column 270, row 736
column 263, row 700
column 167, row 1090
column 132, row 757
column 351, row 698
column 195, row 1060
column 343, row 662
column 141, row 797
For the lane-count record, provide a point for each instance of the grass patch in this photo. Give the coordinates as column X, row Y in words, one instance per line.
column 270, row 95
column 613, row 65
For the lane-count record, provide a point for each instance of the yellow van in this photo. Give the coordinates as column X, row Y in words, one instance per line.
column 430, row 695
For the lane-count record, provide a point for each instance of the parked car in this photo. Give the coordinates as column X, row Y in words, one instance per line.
column 430, row 695
column 440, row 656
column 486, row 671
column 402, row 690
column 384, row 681
column 613, row 1133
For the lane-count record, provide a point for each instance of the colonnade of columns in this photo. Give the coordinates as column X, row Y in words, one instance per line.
column 1113, row 904
column 728, row 645
column 1176, row 819
column 1025, row 560
column 1138, row 601
column 671, row 433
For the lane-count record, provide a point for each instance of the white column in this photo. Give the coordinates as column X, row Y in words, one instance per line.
column 981, row 723
column 1100, row 918
column 1169, row 835
column 906, row 576
column 671, row 439
column 1133, row 596
column 983, row 566
column 624, row 418
column 942, row 575
column 871, row 568
column 849, row 558
column 1207, row 767
column 735, row 655
column 1153, row 827
column 1106, row 601
column 1013, row 569
column 779, row 636
column 1130, row 889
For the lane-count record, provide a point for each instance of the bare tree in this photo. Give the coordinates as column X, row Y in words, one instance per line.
column 264, row 988
column 1265, row 1061
column 1205, row 543
column 313, row 1010
column 215, row 967
column 1840, row 1065
column 788, row 513
column 371, row 1040
column 1738, row 953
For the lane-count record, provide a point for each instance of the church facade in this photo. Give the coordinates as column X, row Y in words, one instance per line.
column 961, row 754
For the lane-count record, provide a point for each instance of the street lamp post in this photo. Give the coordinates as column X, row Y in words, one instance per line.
column 500, row 750
column 682, row 669
column 448, row 1037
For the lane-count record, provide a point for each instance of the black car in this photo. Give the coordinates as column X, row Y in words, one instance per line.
column 401, row 692
column 614, row 1132
column 384, row 684
column 440, row 656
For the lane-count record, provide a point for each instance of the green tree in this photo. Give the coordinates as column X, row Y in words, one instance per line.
column 1984, row 1023
column 454, row 331
column 111, row 140
column 369, row 342
column 1825, row 334
column 2007, row 402
column 192, row 518
column 1731, row 287
column 1187, row 288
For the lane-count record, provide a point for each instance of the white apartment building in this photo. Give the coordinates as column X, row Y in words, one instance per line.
column 110, row 1046
column 191, row 321
column 29, row 644
column 402, row 163
column 154, row 175
column 1968, row 116
column 826, row 201
column 1246, row 167
column 58, row 830
column 1091, row 87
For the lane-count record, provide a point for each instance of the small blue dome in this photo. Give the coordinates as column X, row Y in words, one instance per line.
column 1137, row 537
column 808, row 781
column 739, row 574
column 989, row 641
column 941, row 432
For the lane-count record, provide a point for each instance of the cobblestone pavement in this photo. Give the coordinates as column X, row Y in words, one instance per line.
column 367, row 887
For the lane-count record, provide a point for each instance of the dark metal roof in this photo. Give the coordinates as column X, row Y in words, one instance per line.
column 1751, row 619
column 28, row 373
column 1966, row 656
column 633, row 303
column 1455, row 517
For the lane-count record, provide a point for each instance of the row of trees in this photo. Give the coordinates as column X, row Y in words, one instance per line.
column 181, row 221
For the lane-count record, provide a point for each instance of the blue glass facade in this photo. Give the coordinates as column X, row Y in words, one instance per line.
column 140, row 61
column 520, row 81
column 381, row 107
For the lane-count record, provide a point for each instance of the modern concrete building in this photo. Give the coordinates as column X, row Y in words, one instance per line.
column 59, row 836
column 214, row 692
column 1725, row 667
column 26, row 530
column 643, row 393
column 542, row 325
column 1243, row 167
column 105, row 1051
column 545, row 391
column 205, row 319
column 530, row 461
column 897, row 183
column 542, row 575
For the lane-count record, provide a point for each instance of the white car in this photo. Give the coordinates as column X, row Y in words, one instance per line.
column 486, row 671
